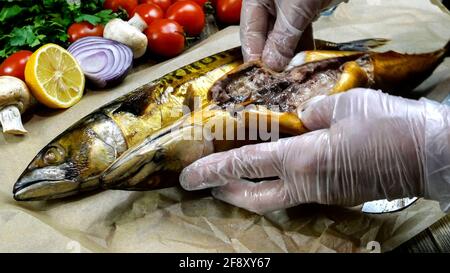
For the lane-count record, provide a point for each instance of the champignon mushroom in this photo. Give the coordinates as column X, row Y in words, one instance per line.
column 129, row 33
column 15, row 98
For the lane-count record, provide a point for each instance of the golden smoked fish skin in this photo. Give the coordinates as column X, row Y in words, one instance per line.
column 135, row 143
column 74, row 161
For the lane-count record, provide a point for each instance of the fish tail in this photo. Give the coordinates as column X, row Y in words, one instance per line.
column 395, row 71
column 358, row 45
column 366, row 44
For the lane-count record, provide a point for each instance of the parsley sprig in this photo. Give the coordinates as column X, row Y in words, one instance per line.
column 28, row 24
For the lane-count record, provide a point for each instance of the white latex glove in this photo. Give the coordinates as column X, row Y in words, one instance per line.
column 366, row 146
column 272, row 30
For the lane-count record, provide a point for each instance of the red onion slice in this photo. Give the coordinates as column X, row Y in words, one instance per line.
column 105, row 62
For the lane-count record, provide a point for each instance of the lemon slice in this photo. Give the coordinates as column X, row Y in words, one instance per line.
column 54, row 77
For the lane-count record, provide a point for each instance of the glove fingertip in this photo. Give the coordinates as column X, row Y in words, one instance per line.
column 251, row 57
column 191, row 179
column 274, row 60
column 317, row 113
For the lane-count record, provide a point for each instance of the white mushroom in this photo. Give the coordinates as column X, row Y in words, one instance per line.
column 15, row 98
column 129, row 33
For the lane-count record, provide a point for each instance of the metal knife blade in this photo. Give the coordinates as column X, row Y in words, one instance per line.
column 385, row 206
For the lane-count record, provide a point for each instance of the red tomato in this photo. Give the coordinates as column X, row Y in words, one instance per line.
column 14, row 65
column 165, row 37
column 163, row 4
column 229, row 11
column 84, row 29
column 200, row 2
column 188, row 14
column 149, row 12
column 128, row 5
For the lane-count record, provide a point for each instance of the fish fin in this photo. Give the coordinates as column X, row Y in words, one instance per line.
column 170, row 151
column 158, row 180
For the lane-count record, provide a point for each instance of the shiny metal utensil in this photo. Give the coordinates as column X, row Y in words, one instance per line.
column 385, row 206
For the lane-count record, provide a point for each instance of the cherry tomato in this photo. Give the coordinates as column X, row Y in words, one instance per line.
column 128, row 5
column 84, row 29
column 165, row 37
column 188, row 14
column 200, row 2
column 149, row 12
column 229, row 11
column 163, row 4
column 14, row 65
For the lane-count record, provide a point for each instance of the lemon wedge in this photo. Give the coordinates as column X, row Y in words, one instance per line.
column 54, row 77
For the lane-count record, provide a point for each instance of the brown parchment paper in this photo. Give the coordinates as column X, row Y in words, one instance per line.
column 172, row 220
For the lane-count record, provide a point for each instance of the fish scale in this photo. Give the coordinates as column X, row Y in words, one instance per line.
column 157, row 115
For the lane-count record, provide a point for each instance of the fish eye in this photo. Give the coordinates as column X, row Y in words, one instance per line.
column 53, row 155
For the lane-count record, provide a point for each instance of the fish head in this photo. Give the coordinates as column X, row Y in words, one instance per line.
column 72, row 162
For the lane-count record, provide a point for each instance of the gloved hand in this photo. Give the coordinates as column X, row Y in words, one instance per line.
column 272, row 29
column 366, row 146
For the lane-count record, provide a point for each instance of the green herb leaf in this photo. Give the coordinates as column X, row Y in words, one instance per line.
column 3, row 53
column 22, row 36
column 92, row 19
column 9, row 12
column 45, row 21
column 106, row 15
